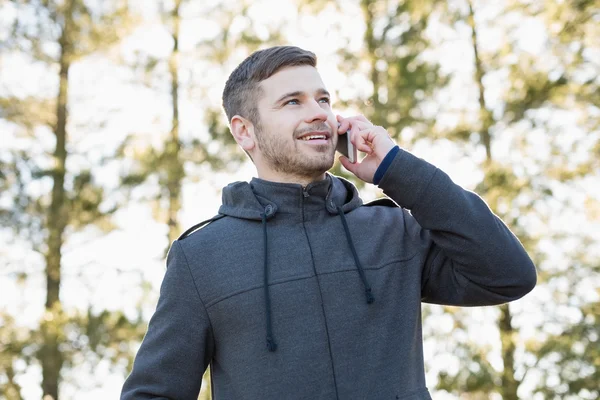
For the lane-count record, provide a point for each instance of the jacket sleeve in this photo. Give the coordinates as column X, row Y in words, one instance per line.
column 472, row 258
column 177, row 346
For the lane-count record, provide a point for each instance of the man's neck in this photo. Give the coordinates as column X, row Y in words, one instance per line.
column 287, row 178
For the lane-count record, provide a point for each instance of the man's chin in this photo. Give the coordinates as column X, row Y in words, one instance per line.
column 318, row 167
column 305, row 164
column 324, row 167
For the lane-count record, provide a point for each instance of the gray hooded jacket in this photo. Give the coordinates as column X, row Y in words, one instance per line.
column 340, row 314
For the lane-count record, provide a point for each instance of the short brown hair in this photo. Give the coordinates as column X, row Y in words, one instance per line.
column 242, row 91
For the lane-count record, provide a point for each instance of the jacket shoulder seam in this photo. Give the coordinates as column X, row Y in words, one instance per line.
column 255, row 287
column 383, row 201
column 193, row 229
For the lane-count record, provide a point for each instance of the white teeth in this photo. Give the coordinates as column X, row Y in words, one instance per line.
column 314, row 137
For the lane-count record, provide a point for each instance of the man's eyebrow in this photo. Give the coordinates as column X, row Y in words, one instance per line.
column 298, row 93
column 323, row 92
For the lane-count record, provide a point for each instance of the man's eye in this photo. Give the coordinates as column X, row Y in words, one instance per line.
column 325, row 100
column 292, row 102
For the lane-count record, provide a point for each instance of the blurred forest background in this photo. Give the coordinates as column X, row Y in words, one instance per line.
column 112, row 142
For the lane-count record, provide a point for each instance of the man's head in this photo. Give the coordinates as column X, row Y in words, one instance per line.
column 242, row 90
column 273, row 100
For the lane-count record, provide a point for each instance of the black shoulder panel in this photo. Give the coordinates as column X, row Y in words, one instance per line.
column 199, row 225
column 384, row 201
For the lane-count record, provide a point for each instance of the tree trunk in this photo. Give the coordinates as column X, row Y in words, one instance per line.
column 372, row 45
column 50, row 355
column 510, row 384
column 485, row 115
column 175, row 172
column 173, row 165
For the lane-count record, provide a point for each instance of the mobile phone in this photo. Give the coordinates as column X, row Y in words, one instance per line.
column 346, row 148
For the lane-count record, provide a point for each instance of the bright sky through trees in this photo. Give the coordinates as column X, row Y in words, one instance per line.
column 115, row 93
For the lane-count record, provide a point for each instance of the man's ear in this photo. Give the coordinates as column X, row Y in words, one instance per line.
column 243, row 132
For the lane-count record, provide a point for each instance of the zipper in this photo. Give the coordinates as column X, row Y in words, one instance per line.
column 305, row 194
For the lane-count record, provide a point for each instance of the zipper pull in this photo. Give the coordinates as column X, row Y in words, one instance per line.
column 305, row 192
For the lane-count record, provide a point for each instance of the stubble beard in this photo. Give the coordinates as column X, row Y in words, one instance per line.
column 290, row 159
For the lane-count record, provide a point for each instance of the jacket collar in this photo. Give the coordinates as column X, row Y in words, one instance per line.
column 250, row 200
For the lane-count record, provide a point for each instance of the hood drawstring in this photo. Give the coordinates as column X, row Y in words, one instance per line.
column 361, row 272
column 271, row 345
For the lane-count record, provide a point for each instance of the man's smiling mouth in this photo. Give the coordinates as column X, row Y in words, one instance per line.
column 315, row 136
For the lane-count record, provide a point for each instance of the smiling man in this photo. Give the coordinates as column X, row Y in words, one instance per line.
column 298, row 290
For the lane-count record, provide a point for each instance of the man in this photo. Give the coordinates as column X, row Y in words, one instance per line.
column 298, row 290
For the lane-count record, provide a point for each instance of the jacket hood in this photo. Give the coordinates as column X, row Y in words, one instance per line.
column 250, row 200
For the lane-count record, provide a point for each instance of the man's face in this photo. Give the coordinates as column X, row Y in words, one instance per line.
column 297, row 133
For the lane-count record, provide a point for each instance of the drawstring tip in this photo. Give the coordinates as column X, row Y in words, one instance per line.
column 271, row 345
column 370, row 298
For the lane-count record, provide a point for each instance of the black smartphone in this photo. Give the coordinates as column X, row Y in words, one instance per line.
column 346, row 148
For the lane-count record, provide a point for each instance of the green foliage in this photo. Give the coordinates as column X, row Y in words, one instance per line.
column 402, row 79
column 568, row 354
column 89, row 28
column 573, row 358
column 476, row 377
column 391, row 59
column 85, row 204
column 522, row 186
column 86, row 338
column 214, row 147
column 57, row 34
column 107, row 335
column 28, row 112
column 21, row 210
column 13, row 342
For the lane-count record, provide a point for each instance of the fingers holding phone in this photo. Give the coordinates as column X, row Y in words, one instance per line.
column 368, row 138
column 346, row 147
column 346, row 131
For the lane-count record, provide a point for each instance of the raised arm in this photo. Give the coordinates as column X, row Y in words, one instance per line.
column 472, row 257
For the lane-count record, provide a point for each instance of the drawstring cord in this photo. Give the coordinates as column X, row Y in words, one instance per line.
column 271, row 345
column 361, row 272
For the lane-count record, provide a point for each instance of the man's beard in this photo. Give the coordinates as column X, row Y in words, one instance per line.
column 287, row 158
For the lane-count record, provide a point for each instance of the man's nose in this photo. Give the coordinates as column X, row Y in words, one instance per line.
column 315, row 112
